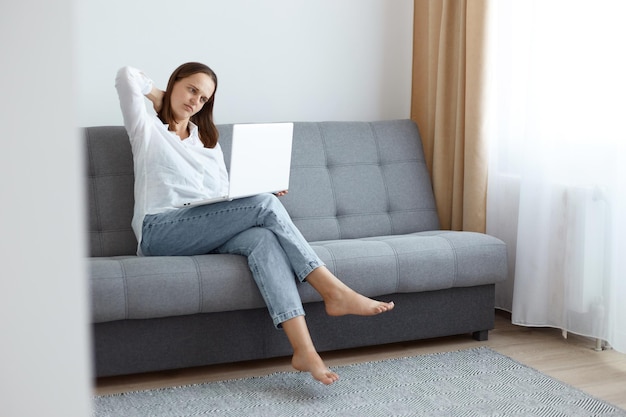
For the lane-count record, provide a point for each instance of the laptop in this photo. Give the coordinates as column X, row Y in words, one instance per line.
column 260, row 161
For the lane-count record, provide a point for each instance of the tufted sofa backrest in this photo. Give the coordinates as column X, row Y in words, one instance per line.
column 348, row 180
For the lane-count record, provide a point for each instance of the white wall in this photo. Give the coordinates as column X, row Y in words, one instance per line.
column 44, row 351
column 277, row 60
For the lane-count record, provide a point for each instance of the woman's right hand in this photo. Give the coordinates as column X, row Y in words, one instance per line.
column 156, row 97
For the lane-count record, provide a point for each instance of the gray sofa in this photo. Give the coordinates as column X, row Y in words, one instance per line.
column 359, row 192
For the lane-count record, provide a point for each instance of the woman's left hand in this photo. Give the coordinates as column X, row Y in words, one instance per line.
column 281, row 193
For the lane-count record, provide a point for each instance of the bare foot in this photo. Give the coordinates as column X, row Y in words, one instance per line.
column 340, row 299
column 312, row 362
column 347, row 301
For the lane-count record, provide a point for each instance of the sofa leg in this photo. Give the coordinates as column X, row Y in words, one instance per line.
column 481, row 335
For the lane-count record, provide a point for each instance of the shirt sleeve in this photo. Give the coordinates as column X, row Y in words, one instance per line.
column 132, row 85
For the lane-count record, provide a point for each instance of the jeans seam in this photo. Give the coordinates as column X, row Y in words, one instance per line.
column 205, row 215
column 244, row 251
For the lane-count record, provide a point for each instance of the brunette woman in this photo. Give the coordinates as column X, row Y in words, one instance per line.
column 177, row 158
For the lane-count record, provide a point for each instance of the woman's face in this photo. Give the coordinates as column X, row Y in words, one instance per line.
column 190, row 94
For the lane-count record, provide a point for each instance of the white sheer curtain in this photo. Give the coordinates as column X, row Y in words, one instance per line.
column 557, row 176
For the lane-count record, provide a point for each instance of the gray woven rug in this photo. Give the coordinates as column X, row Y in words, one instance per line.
column 475, row 382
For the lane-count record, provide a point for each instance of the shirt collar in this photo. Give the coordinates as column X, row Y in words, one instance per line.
column 194, row 137
column 193, row 129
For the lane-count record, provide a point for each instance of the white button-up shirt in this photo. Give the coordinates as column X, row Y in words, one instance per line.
column 168, row 171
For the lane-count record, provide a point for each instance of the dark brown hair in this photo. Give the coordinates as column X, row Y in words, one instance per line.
column 204, row 118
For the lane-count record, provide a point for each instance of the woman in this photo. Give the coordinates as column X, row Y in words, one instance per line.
column 177, row 158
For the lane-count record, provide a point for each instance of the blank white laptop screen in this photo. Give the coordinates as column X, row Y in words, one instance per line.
column 260, row 161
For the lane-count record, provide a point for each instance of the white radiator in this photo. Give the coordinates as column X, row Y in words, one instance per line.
column 585, row 221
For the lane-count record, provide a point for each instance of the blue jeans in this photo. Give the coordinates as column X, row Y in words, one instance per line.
column 257, row 227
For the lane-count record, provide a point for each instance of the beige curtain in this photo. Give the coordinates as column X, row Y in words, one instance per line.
column 449, row 81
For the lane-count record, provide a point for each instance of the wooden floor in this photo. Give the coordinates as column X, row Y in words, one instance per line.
column 573, row 360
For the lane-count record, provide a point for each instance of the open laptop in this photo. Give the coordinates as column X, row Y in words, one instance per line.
column 260, row 161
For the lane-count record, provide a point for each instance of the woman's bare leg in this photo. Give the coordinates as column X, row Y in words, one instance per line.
column 340, row 299
column 305, row 357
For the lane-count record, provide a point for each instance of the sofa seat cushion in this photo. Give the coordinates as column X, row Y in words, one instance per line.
column 130, row 287
column 416, row 262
